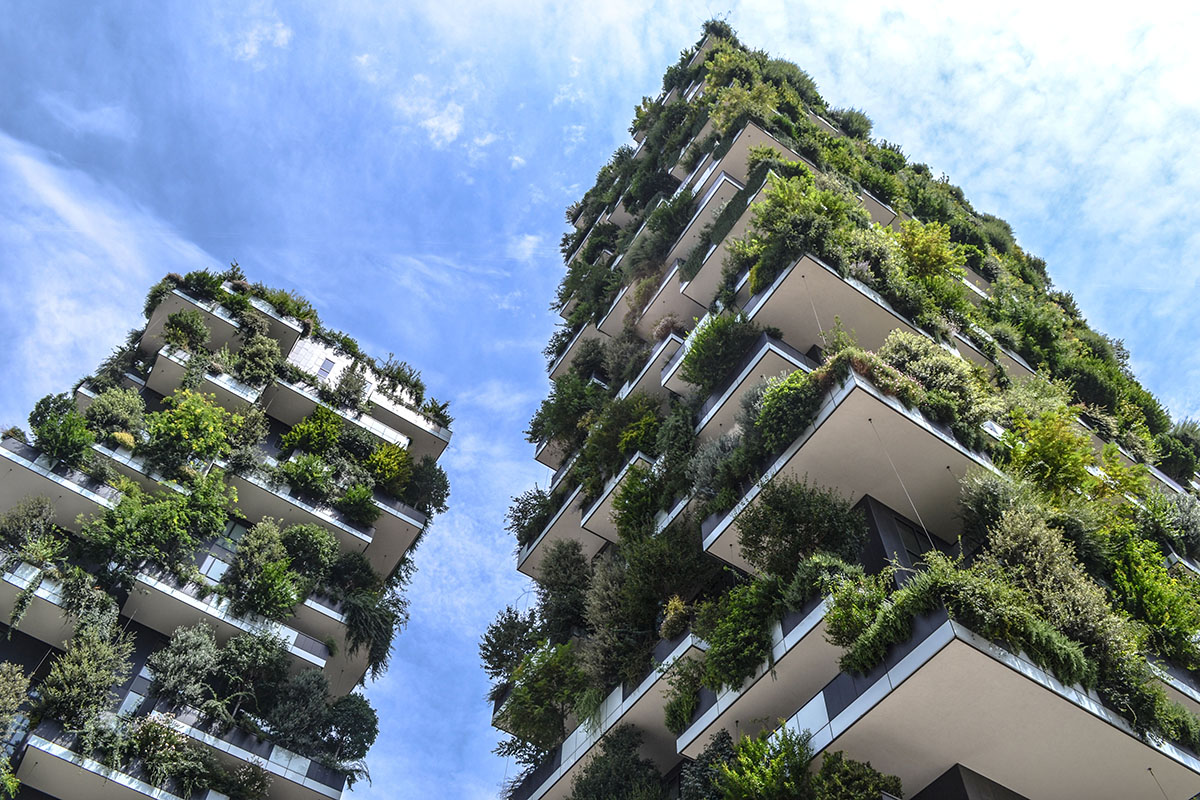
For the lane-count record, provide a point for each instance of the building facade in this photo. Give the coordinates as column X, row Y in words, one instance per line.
column 205, row 551
column 847, row 499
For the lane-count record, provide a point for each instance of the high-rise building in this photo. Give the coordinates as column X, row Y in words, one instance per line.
column 848, row 500
column 205, row 548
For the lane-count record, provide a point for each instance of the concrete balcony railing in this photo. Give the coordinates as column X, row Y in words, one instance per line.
column 649, row 380
column 171, row 366
column 45, row 618
column 564, row 524
column 668, row 300
column 26, row 472
column 563, row 362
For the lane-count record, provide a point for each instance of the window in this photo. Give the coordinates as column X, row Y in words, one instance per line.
column 916, row 543
column 326, row 368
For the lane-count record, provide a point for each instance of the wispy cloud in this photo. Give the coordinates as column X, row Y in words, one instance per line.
column 516, row 162
column 112, row 121
column 247, row 44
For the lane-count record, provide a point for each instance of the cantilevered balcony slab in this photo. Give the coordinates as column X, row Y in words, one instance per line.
column 170, row 367
column 44, row 619
column 668, row 300
column 1015, row 366
column 805, row 298
column 51, row 767
column 563, row 526
column 223, row 328
column 865, row 442
column 24, row 472
column 598, row 517
column 649, row 380
column 285, row 330
column 157, row 602
column 293, row 777
column 881, row 213
column 769, row 358
column 671, row 374
column 550, row 453
column 720, row 191
column 291, row 402
column 614, row 319
column 801, row 663
column 949, row 696
column 563, row 362
column 736, row 161
column 702, row 287
column 425, row 437
column 640, row 706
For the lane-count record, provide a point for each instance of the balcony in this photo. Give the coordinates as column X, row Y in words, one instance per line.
column 31, row 473
column 702, row 287
column 223, row 327
column 562, row 526
column 426, row 437
column 598, row 517
column 170, row 367
column 640, row 706
column 881, row 213
column 735, row 163
column 720, row 191
column 290, row 403
column 804, row 299
column 1016, row 367
column 158, row 602
column 293, row 777
column 679, row 172
column 767, row 359
column 383, row 544
column 285, row 330
column 45, row 619
column 670, row 376
column 649, row 380
column 948, row 696
column 51, row 766
column 865, row 442
column 668, row 299
column 801, row 663
column 614, row 319
column 563, row 362
column 550, row 453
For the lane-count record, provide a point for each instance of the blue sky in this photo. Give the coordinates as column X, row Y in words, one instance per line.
column 406, row 167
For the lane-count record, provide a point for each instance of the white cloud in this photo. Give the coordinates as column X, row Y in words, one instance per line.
column 247, row 45
column 89, row 252
column 431, row 109
column 516, row 162
column 113, row 121
column 524, row 246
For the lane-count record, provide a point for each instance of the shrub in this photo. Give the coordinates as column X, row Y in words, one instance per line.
column 766, row 767
column 59, row 431
column 312, row 550
column 853, row 122
column 562, row 590
column 428, row 489
column 308, row 474
column 508, row 639
column 258, row 361
column 545, row 687
column 349, row 391
column 186, row 330
column 715, row 349
column 558, row 417
column 792, row 520
column 737, row 629
column 352, row 573
column 841, row 778
column 182, row 668
column 1050, row 452
column 14, row 688
column 789, row 405
column 618, row 770
column 391, row 467
column 80, row 683
column 115, row 410
column 318, row 433
column 358, row 503
column 700, row 779
column 684, row 677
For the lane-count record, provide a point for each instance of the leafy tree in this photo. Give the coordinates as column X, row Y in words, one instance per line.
column 14, row 691
column 80, row 683
column 428, row 489
column 317, row 434
column 698, row 780
column 184, row 667
column 192, row 427
column 115, row 410
column 29, row 520
column 260, row 580
column 312, row 550
column 353, row 727
column 59, row 431
column 391, row 467
column 546, row 686
column 308, row 473
column 186, row 330
column 618, row 770
column 258, row 361
column 768, row 766
column 249, row 671
column 509, row 638
column 298, row 717
column 358, row 503
column 562, row 590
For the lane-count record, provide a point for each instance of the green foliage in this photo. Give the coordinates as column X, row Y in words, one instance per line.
column 350, row 390
column 716, row 347
column 353, row 725
column 391, row 467
column 59, row 431
column 191, row 427
column 509, row 638
column 260, row 579
column 618, row 770
column 792, row 521
column 737, row 628
column 841, row 778
column 767, row 767
column 312, row 550
column 1050, row 451
column 1169, row 607
column 80, row 683
column 115, row 410
column 789, row 405
column 258, row 361
column 358, row 504
column 684, row 677
column 428, row 489
column 318, row 433
column 529, row 514
column 372, row 619
column 562, row 590
column 309, row 474
column 182, row 667
column 186, row 330
column 163, row 530
column 561, row 417
column 853, row 122
column 700, row 779
column 545, row 687
column 621, row 429
column 14, row 691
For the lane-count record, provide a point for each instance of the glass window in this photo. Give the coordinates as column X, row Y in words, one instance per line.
column 325, row 369
column 916, row 542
